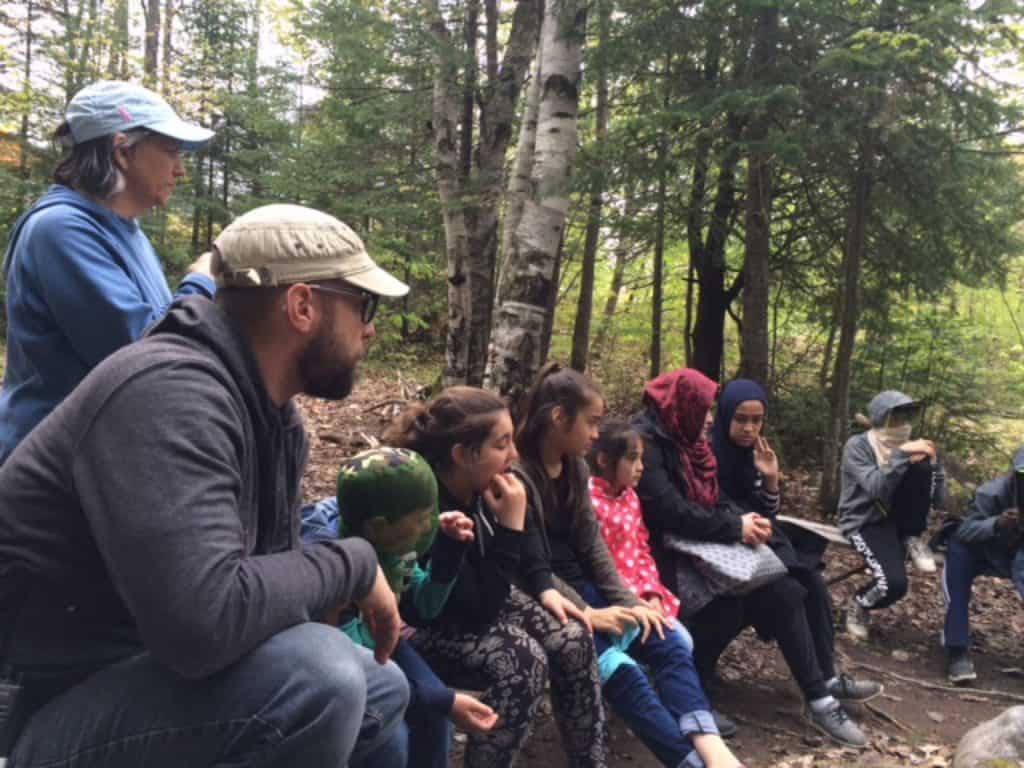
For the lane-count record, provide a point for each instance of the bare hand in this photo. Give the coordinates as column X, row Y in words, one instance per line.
column 456, row 525
column 613, row 620
column 563, row 609
column 756, row 529
column 649, row 619
column 471, row 715
column 1009, row 520
column 654, row 601
column 767, row 463
column 922, row 448
column 379, row 610
column 506, row 498
column 202, row 266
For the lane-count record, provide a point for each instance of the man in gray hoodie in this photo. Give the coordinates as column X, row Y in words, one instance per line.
column 156, row 602
column 889, row 484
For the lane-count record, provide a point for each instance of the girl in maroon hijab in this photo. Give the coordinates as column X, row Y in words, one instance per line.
column 680, row 495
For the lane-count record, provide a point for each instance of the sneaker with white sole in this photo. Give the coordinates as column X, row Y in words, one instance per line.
column 920, row 555
column 837, row 725
column 846, row 687
column 960, row 668
column 857, row 620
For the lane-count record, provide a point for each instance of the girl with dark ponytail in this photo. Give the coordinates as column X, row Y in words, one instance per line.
column 491, row 635
column 565, row 554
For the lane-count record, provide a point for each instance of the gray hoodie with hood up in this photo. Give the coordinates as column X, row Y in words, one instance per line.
column 864, row 483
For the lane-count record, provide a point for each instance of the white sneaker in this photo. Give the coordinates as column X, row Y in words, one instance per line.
column 857, row 620
column 920, row 554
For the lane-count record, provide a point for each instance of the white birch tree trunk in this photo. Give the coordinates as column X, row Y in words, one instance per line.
column 528, row 288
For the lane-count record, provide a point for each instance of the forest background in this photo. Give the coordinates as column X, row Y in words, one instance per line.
column 825, row 195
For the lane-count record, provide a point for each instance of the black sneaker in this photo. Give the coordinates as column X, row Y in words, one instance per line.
column 726, row 727
column 837, row 725
column 845, row 687
column 961, row 669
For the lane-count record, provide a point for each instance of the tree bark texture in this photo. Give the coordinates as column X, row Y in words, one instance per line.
column 517, row 339
column 152, row 42
column 756, row 269
column 585, row 304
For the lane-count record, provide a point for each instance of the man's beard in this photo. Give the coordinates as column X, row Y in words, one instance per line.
column 324, row 371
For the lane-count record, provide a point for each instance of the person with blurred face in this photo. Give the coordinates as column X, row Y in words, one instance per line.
column 157, row 606
column 890, row 482
column 82, row 278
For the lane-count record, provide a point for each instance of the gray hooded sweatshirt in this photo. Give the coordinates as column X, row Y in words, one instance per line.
column 979, row 527
column 157, row 509
column 867, row 488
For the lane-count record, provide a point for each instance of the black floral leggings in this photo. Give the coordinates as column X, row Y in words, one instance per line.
column 511, row 662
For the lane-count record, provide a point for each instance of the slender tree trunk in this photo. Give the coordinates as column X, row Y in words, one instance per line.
column 657, row 293
column 446, row 160
column 691, row 278
column 756, row 270
column 839, row 393
column 517, row 339
column 152, row 42
column 585, row 305
column 469, row 79
column 620, row 257
column 23, row 145
column 167, row 45
column 830, row 342
column 117, row 68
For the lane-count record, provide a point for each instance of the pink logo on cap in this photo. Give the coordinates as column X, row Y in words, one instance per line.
column 125, row 114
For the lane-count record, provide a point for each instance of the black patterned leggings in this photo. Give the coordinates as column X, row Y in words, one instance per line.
column 511, row 663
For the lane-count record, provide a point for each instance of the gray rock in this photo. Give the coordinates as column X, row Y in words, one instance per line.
column 993, row 744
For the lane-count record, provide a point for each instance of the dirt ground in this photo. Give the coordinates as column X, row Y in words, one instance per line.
column 917, row 721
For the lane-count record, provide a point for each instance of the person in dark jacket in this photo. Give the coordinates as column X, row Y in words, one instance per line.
column 491, row 634
column 156, row 602
column 82, row 278
column 987, row 542
column 679, row 494
column 749, row 475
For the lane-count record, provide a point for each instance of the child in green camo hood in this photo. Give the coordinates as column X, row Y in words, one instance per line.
column 388, row 496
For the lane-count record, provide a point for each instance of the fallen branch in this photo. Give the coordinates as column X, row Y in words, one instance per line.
column 383, row 403
column 938, row 687
column 773, row 728
column 883, row 715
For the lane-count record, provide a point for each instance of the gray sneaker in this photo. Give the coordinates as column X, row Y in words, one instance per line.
column 961, row 668
column 837, row 725
column 845, row 687
column 857, row 620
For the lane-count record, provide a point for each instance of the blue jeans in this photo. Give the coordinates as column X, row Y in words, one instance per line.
column 662, row 718
column 307, row 696
column 964, row 564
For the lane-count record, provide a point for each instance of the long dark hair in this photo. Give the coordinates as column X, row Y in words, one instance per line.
column 555, row 386
column 457, row 416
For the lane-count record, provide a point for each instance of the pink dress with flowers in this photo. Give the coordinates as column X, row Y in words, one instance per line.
column 623, row 530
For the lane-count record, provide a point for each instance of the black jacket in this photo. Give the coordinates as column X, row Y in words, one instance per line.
column 157, row 508
column 662, row 492
column 491, row 562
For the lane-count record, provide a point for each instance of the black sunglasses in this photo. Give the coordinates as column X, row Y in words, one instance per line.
column 368, row 301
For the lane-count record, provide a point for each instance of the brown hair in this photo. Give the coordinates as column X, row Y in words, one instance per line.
column 457, row 416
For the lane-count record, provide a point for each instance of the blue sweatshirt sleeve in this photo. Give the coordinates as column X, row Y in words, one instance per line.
column 91, row 296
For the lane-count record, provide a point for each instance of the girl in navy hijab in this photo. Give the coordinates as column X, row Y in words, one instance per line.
column 748, row 473
column 748, row 469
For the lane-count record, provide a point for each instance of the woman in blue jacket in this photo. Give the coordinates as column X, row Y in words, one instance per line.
column 82, row 278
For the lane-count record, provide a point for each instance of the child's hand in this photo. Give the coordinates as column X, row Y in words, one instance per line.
column 507, row 499
column 456, row 525
column 654, row 602
column 471, row 715
column 649, row 619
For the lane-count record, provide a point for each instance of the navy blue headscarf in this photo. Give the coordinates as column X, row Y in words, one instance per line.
column 736, row 473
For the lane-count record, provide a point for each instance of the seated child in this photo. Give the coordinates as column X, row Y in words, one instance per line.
column 988, row 542
column 388, row 496
column 889, row 484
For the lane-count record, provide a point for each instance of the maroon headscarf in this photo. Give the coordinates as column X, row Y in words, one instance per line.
column 682, row 399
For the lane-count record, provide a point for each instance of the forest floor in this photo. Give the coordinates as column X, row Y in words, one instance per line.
column 917, row 721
